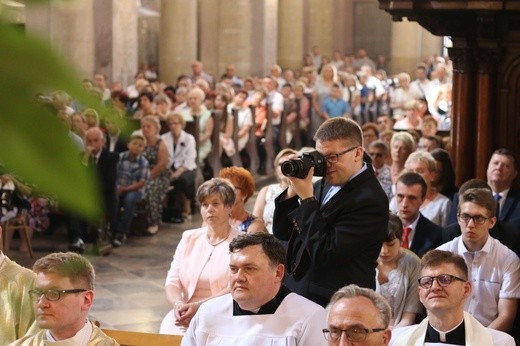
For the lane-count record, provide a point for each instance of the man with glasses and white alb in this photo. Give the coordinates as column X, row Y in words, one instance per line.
column 494, row 269
column 63, row 294
column 444, row 286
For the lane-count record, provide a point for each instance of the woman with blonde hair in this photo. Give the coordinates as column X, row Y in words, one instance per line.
column 264, row 204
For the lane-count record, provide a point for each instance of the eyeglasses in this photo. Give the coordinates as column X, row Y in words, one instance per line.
column 353, row 334
column 333, row 158
column 443, row 280
column 375, row 154
column 53, row 295
column 477, row 219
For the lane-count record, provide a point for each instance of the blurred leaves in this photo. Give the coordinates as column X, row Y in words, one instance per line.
column 33, row 143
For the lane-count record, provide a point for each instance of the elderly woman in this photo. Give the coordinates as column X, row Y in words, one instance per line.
column 156, row 152
column 197, row 110
column 183, row 164
column 397, row 273
column 402, row 145
column 264, row 204
column 200, row 267
column 244, row 184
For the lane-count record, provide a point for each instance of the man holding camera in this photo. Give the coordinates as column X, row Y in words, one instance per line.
column 335, row 228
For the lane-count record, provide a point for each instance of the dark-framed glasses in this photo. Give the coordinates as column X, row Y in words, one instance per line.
column 477, row 219
column 353, row 334
column 53, row 295
column 443, row 280
column 375, row 154
column 333, row 158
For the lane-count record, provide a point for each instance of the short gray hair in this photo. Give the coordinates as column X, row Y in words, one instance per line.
column 218, row 186
column 353, row 291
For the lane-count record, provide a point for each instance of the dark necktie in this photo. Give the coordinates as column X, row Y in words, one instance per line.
column 498, row 198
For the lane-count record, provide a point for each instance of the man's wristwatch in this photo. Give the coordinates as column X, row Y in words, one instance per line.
column 306, row 200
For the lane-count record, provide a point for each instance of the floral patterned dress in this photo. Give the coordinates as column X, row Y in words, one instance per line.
column 155, row 187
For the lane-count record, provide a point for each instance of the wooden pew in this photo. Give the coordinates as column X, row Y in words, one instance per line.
column 270, row 154
column 236, row 159
column 251, row 148
column 214, row 156
column 127, row 338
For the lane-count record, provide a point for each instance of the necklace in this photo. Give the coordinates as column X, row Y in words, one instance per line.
column 218, row 241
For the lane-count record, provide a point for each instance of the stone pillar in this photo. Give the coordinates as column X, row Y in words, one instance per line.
column 235, row 31
column 178, row 38
column 406, row 42
column 124, row 42
column 209, row 35
column 430, row 44
column 321, row 25
column 68, row 27
column 290, row 34
column 270, row 33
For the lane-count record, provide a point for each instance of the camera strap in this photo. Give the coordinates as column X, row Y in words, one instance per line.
column 322, row 186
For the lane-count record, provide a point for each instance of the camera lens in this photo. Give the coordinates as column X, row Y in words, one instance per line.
column 290, row 168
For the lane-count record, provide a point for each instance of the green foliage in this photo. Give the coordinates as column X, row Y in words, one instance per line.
column 33, row 143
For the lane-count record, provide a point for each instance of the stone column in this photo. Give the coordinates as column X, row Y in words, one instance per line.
column 124, row 42
column 209, row 35
column 178, row 38
column 68, row 27
column 290, row 34
column 321, row 25
column 235, row 31
column 406, row 42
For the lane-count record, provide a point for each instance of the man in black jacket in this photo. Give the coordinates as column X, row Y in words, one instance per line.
column 334, row 228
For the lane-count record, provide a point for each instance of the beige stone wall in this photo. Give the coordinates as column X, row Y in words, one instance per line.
column 125, row 39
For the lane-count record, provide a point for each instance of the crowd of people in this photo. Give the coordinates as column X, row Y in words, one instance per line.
column 382, row 241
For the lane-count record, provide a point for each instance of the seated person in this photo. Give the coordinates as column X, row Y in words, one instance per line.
column 396, row 276
column 200, row 267
column 358, row 315
column 17, row 307
column 63, row 295
column 182, row 162
column 259, row 310
column 132, row 172
column 494, row 269
column 334, row 106
column 443, row 289
column 244, row 184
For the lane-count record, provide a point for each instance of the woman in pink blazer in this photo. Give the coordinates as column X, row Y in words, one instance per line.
column 200, row 267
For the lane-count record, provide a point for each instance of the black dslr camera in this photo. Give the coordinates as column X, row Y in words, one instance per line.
column 300, row 167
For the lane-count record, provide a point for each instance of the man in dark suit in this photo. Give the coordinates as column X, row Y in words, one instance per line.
column 420, row 234
column 501, row 172
column 335, row 228
column 114, row 139
column 105, row 164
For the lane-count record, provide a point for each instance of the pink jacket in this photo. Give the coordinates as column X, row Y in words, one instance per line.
column 189, row 259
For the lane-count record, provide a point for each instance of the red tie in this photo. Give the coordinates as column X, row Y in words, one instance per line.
column 406, row 233
column 376, row 172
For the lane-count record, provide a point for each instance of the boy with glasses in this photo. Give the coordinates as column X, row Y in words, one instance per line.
column 62, row 295
column 494, row 269
column 443, row 288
